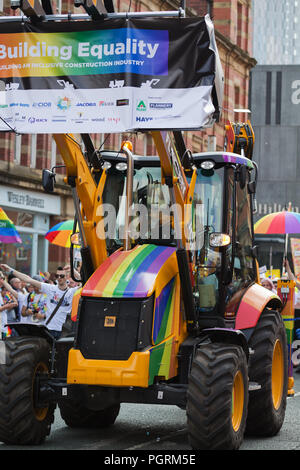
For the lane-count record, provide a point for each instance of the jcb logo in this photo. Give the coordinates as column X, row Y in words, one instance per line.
column 110, row 321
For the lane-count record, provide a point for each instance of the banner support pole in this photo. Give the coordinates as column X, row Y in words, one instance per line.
column 74, row 17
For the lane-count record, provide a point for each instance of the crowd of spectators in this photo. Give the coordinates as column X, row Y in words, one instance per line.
column 43, row 299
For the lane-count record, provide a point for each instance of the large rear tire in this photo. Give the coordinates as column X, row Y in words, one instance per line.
column 21, row 421
column 268, row 367
column 217, row 397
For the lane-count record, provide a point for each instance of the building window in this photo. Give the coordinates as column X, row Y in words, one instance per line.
column 31, row 255
column 21, row 254
column 203, row 7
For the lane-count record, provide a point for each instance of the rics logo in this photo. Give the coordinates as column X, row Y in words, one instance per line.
column 64, row 103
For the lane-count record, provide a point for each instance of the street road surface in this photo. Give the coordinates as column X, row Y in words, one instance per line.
column 158, row 428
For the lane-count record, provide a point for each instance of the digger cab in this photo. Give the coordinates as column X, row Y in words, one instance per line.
column 217, row 223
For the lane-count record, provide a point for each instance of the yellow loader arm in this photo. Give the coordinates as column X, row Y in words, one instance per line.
column 239, row 138
column 173, row 173
column 79, row 176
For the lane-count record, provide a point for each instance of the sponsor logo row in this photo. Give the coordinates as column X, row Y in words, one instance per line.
column 77, row 119
column 65, row 103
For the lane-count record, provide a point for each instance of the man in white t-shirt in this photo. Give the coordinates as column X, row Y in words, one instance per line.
column 54, row 294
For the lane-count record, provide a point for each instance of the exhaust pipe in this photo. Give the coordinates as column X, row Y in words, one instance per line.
column 127, row 149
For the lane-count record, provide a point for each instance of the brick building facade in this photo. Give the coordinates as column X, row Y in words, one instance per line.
column 23, row 157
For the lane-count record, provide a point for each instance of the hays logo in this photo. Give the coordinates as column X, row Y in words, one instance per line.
column 143, row 119
column 64, row 103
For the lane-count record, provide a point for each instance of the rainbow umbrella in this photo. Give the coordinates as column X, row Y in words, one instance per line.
column 8, row 232
column 279, row 223
column 60, row 234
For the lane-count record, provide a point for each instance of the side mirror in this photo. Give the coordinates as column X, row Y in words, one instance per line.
column 252, row 189
column 242, row 176
column 254, row 251
column 48, row 179
column 219, row 240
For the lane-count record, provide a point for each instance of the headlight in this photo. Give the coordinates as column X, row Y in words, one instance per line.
column 207, row 165
column 106, row 165
column 217, row 240
column 121, row 166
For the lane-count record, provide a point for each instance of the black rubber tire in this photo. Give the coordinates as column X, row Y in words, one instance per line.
column 20, row 421
column 76, row 415
column 263, row 419
column 209, row 397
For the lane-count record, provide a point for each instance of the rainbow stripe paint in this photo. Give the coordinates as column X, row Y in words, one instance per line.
column 134, row 274
column 84, row 53
column 231, row 158
column 164, row 305
column 128, row 274
column 163, row 354
column 251, row 305
column 8, row 232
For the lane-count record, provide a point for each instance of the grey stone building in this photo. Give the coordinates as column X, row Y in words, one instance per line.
column 276, row 31
column 275, row 115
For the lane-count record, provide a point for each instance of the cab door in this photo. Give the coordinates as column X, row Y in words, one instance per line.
column 240, row 260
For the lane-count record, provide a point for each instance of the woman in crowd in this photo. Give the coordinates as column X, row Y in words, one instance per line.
column 7, row 305
column 34, row 309
column 268, row 284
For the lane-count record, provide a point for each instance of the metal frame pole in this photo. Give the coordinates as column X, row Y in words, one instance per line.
column 80, row 17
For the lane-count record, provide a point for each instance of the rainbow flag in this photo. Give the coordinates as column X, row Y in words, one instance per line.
column 7, row 298
column 8, row 232
column 8, row 333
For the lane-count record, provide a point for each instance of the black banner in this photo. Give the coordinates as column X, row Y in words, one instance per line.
column 109, row 76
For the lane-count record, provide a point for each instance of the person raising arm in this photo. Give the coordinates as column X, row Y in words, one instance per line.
column 290, row 273
column 23, row 277
column 59, row 297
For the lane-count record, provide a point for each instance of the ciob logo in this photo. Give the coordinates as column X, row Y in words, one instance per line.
column 42, row 104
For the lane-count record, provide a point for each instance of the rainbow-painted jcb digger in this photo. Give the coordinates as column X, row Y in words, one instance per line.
column 164, row 316
column 170, row 311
